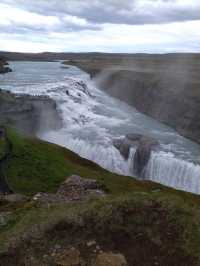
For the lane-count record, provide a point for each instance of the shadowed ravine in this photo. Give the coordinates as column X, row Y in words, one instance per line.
column 92, row 120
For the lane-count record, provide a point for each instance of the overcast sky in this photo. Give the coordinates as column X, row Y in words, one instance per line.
column 154, row 26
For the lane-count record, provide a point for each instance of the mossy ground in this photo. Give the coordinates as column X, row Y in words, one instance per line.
column 147, row 222
column 147, row 228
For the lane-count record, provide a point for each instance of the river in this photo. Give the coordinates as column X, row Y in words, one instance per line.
column 92, row 119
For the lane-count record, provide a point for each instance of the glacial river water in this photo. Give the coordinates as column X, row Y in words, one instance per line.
column 92, row 119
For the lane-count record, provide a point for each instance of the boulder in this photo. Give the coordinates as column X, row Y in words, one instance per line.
column 110, row 259
column 75, row 188
column 78, row 188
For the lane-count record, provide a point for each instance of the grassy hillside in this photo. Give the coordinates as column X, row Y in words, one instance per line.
column 149, row 223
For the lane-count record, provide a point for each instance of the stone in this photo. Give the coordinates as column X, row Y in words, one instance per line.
column 57, row 246
column 110, row 259
column 76, row 188
column 91, row 243
column 69, row 257
column 4, row 218
column 44, row 199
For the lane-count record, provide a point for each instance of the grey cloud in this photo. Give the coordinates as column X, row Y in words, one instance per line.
column 114, row 11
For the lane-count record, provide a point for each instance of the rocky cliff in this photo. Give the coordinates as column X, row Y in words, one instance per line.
column 166, row 88
column 29, row 114
column 167, row 100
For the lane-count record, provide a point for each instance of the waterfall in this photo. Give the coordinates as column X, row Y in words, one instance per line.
column 92, row 120
column 168, row 170
column 107, row 156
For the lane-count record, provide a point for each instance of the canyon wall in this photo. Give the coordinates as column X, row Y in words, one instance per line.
column 166, row 88
column 28, row 114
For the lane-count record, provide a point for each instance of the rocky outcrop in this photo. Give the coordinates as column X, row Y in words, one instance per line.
column 75, row 188
column 28, row 114
column 143, row 145
column 4, row 67
column 142, row 155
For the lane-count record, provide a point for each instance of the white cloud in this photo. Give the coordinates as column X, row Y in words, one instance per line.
column 172, row 37
column 75, row 20
column 14, row 16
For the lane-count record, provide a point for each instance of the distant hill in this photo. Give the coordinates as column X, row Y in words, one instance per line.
column 47, row 56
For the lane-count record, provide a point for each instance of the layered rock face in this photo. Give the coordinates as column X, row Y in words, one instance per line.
column 165, row 87
column 29, row 114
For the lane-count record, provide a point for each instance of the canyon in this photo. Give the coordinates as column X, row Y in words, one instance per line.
column 165, row 87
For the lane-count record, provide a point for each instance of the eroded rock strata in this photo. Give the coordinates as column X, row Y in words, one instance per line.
column 29, row 114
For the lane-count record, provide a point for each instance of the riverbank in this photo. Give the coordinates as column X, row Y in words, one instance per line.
column 165, row 87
